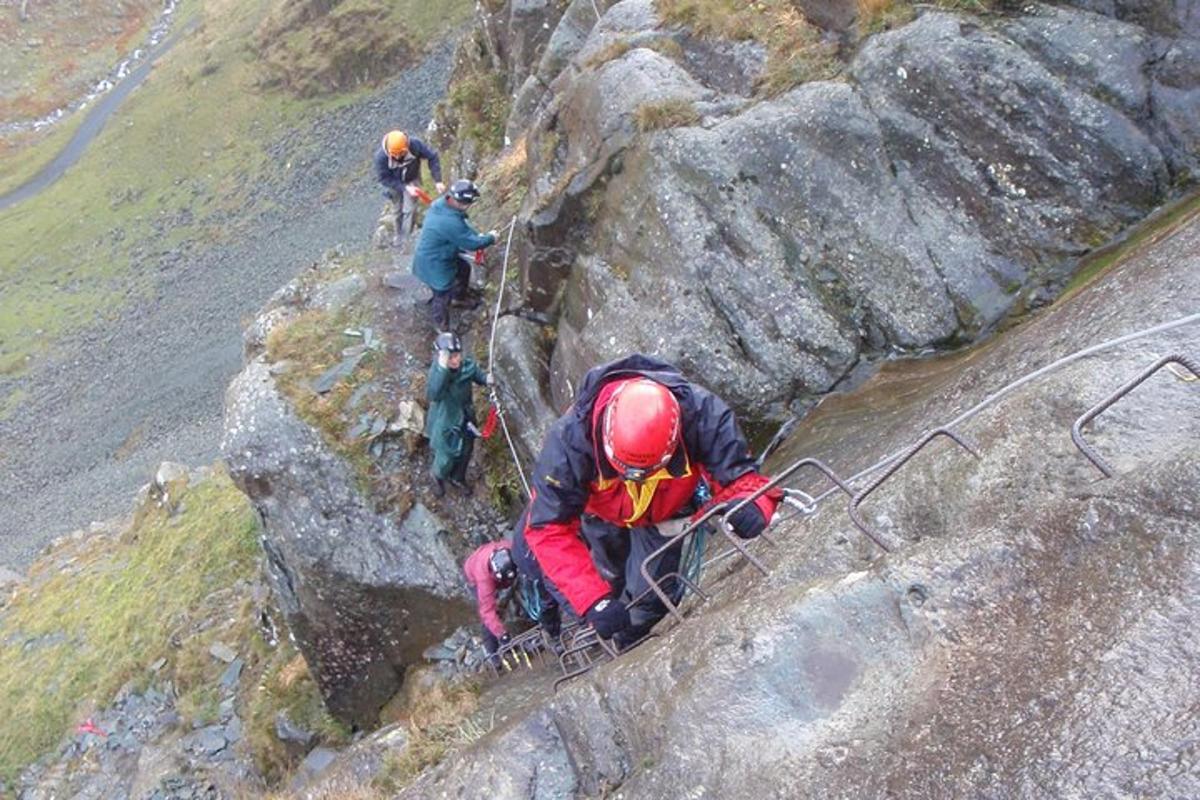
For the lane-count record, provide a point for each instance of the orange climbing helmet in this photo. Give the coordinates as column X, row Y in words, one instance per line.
column 396, row 144
column 641, row 428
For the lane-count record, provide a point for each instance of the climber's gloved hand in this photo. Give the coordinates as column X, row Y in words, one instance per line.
column 490, row 380
column 411, row 189
column 608, row 617
column 443, row 359
column 441, row 187
column 748, row 521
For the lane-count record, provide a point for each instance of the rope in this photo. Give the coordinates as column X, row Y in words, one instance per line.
column 495, row 397
column 1011, row 387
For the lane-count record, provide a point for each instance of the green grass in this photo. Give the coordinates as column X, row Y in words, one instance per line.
column 177, row 143
column 115, row 606
column 285, row 685
column 312, row 52
column 20, row 162
column 192, row 138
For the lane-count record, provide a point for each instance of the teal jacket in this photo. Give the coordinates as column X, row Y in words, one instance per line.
column 444, row 234
column 449, row 395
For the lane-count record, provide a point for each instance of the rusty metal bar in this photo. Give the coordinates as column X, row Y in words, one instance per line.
column 894, row 467
column 1077, row 429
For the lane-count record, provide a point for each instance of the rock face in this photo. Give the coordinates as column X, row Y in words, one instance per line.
column 962, row 166
column 1026, row 638
column 362, row 595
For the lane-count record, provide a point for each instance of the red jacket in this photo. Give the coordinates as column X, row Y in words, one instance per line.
column 479, row 575
column 572, row 477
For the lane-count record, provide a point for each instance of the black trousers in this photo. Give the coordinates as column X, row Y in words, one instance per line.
column 618, row 553
column 439, row 304
column 548, row 601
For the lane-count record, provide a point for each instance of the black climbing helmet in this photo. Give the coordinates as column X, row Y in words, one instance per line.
column 503, row 568
column 448, row 341
column 464, row 191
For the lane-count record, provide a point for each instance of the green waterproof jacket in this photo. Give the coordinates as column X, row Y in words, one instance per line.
column 444, row 234
column 449, row 395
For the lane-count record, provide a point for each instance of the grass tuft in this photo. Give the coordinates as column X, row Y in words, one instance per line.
column 438, row 724
column 796, row 52
column 94, row 615
column 670, row 113
column 875, row 16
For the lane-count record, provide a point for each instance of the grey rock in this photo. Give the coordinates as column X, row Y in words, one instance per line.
column 210, row 740
column 316, row 762
column 337, row 373
column 1020, row 597
column 335, row 296
column 288, row 731
column 157, row 665
column 222, row 652
column 168, row 472
column 363, row 595
column 9, row 579
column 522, row 372
column 232, row 673
column 254, row 338
column 233, row 730
column 901, row 211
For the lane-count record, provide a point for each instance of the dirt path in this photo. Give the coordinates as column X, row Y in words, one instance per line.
column 114, row 401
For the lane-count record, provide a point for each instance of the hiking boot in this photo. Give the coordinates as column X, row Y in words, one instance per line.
column 460, row 486
column 466, row 303
column 439, row 486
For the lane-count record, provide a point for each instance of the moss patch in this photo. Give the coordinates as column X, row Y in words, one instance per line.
column 1159, row 226
column 481, row 105
column 96, row 614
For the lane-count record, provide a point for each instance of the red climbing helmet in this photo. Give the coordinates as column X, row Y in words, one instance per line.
column 641, row 428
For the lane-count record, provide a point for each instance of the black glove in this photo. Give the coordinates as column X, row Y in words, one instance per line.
column 608, row 616
column 504, row 640
column 748, row 521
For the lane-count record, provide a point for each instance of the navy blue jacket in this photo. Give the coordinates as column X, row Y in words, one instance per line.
column 444, row 234
column 409, row 170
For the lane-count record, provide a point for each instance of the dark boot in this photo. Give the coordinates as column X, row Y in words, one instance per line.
column 439, row 486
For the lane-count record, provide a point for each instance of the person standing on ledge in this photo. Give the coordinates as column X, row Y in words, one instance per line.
column 450, row 423
column 437, row 262
column 398, row 169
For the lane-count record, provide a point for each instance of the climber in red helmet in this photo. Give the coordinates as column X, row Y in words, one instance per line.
column 640, row 447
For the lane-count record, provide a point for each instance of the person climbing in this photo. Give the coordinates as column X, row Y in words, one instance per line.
column 489, row 569
column 437, row 262
column 450, row 422
column 398, row 169
column 640, row 451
